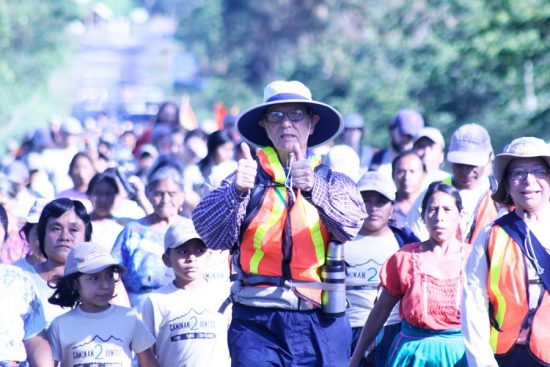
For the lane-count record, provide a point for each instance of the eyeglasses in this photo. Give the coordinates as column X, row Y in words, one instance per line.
column 520, row 174
column 276, row 117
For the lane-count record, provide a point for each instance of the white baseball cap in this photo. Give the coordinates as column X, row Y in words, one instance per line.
column 376, row 181
column 89, row 258
column 470, row 145
column 431, row 133
column 179, row 233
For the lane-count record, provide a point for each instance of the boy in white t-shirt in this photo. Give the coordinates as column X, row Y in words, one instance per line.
column 183, row 315
column 365, row 255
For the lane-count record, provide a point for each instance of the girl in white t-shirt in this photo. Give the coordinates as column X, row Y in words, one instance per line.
column 96, row 332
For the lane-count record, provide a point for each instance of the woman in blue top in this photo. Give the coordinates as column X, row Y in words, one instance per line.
column 139, row 247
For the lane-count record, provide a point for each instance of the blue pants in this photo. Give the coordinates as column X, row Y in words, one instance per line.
column 519, row 355
column 261, row 337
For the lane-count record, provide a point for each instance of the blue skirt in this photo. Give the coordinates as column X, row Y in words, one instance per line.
column 415, row 347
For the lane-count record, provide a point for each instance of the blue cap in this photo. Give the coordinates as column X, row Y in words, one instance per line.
column 353, row 121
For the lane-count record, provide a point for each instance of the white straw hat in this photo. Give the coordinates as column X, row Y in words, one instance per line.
column 278, row 92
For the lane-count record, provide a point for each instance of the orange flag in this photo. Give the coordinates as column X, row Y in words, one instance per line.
column 187, row 117
column 220, row 111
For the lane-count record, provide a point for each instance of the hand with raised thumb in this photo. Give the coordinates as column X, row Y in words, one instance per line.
column 247, row 169
column 302, row 175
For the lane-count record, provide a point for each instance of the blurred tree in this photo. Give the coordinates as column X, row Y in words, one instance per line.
column 242, row 44
column 485, row 62
column 456, row 61
column 31, row 40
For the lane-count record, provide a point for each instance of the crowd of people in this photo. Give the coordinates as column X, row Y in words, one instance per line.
column 153, row 245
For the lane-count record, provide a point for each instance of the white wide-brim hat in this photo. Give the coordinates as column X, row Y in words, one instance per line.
column 329, row 126
column 525, row 147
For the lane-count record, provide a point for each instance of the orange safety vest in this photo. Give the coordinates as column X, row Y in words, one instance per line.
column 282, row 242
column 485, row 212
column 507, row 286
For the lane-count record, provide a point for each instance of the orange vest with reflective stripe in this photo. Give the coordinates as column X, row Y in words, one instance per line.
column 284, row 242
column 485, row 212
column 507, row 288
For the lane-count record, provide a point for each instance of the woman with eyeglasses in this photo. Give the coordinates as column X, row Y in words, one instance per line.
column 427, row 278
column 506, row 304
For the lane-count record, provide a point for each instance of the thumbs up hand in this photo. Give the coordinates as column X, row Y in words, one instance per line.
column 301, row 172
column 247, row 169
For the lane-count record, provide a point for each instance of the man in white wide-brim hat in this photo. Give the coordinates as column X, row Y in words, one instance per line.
column 277, row 213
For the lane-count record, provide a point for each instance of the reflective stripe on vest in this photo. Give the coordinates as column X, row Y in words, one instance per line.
column 264, row 240
column 507, row 289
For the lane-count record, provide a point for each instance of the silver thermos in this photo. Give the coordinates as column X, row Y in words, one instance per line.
column 333, row 273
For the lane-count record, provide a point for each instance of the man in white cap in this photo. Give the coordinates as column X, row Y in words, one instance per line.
column 470, row 154
column 278, row 214
column 23, row 198
column 57, row 159
column 429, row 144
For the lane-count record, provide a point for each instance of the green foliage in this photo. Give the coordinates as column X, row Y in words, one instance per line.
column 31, row 45
column 119, row 7
column 456, row 61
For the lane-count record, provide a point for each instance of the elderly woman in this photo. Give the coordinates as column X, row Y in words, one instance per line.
column 140, row 245
column 506, row 304
column 427, row 278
